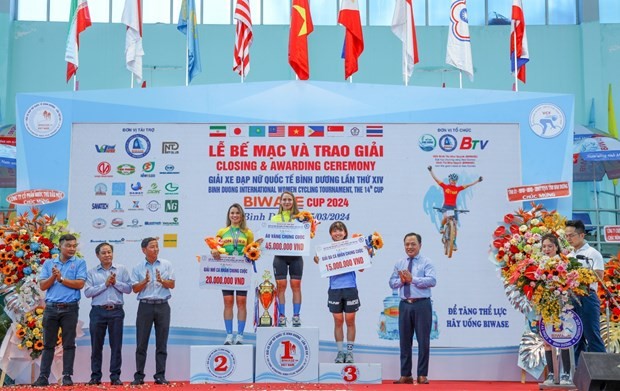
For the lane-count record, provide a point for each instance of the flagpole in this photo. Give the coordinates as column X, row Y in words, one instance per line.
column 514, row 29
column 351, row 79
column 460, row 79
column 187, row 59
column 75, row 81
column 131, row 79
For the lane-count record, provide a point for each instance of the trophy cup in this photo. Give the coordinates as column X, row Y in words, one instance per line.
column 266, row 295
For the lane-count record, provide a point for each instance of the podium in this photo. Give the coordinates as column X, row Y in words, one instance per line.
column 357, row 373
column 221, row 364
column 287, row 355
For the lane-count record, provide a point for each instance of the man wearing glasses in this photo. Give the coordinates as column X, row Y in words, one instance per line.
column 62, row 278
column 589, row 309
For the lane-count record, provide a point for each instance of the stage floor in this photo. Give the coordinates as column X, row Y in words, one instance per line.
column 386, row 386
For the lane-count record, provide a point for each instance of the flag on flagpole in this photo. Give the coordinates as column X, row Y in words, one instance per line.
column 349, row 17
column 243, row 39
column 518, row 38
column 187, row 26
column 132, row 18
column 301, row 27
column 403, row 26
column 79, row 20
column 611, row 115
column 458, row 53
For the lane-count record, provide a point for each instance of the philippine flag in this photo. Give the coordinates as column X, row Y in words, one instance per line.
column 316, row 131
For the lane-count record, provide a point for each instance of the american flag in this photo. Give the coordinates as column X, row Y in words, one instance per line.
column 243, row 41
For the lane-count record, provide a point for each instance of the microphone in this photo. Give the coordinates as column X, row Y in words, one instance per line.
column 582, row 257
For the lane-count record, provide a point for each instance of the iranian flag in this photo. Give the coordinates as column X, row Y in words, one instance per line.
column 79, row 20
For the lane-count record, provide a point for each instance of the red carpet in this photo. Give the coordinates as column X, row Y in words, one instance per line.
column 386, row 386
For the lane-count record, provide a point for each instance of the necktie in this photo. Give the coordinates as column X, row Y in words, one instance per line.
column 407, row 288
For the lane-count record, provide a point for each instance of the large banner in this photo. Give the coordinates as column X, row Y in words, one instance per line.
column 177, row 181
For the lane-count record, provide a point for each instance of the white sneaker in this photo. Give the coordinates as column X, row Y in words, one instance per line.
column 238, row 339
column 549, row 380
column 296, row 321
column 340, row 357
column 282, row 321
column 348, row 358
column 565, row 379
column 229, row 339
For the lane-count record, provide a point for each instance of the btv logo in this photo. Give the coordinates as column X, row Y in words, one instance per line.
column 469, row 143
column 171, row 206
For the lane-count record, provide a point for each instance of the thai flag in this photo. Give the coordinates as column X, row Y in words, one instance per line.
column 374, row 130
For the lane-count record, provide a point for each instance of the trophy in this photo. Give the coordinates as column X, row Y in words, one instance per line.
column 266, row 296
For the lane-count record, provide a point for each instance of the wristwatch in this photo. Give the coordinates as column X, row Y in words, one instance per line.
column 61, row 279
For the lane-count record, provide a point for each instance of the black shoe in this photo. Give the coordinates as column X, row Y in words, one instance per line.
column 66, row 380
column 116, row 382
column 94, row 382
column 137, row 382
column 41, row 382
column 161, row 380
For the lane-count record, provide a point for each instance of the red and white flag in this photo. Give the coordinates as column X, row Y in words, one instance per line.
column 79, row 20
column 520, row 55
column 403, row 26
column 349, row 17
column 132, row 18
column 243, row 39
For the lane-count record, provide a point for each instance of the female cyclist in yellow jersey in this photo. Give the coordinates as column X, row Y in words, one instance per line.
column 235, row 236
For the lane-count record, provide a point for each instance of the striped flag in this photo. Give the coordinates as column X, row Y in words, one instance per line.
column 518, row 38
column 276, row 131
column 79, row 20
column 217, row 131
column 374, row 130
column 403, row 26
column 349, row 17
column 243, row 39
column 132, row 18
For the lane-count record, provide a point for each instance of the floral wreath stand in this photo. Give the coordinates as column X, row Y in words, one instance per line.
column 14, row 362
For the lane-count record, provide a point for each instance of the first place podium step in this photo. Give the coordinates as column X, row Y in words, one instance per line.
column 287, row 355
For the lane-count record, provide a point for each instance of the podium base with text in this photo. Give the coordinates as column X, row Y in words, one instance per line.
column 287, row 355
column 221, row 364
column 357, row 373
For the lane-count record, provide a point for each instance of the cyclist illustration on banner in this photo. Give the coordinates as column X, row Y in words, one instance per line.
column 449, row 211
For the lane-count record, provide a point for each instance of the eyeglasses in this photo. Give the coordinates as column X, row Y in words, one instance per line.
column 572, row 235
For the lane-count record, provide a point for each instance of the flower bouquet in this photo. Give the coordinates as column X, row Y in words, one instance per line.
column 532, row 280
column 215, row 243
column 251, row 252
column 611, row 333
column 29, row 331
column 25, row 244
column 305, row 216
column 374, row 242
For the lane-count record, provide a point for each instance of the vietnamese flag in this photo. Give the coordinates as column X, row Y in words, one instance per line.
column 79, row 20
column 349, row 17
column 301, row 27
column 296, row 131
